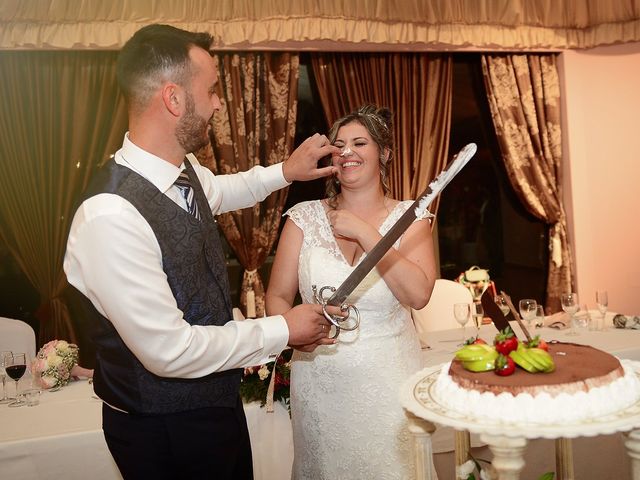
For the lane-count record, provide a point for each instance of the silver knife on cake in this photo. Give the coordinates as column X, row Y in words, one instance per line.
column 417, row 209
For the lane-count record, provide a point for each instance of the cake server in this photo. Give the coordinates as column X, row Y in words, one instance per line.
column 417, row 209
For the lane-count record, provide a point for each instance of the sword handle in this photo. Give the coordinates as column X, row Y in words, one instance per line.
column 336, row 320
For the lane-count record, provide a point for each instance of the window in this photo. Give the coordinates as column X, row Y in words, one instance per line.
column 481, row 221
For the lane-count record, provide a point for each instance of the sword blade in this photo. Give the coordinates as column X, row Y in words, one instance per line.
column 386, row 242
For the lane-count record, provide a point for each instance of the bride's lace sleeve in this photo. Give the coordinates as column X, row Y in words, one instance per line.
column 311, row 218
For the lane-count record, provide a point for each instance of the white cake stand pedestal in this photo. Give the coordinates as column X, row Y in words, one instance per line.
column 508, row 441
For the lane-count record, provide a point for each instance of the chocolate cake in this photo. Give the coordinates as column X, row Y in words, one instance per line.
column 578, row 368
column 586, row 383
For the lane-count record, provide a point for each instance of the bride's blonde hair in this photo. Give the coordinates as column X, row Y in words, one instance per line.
column 378, row 122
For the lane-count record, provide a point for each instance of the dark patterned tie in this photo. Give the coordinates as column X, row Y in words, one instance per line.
column 186, row 190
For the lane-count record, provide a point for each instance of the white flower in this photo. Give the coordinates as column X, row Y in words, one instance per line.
column 53, row 360
column 467, row 468
column 48, row 381
column 263, row 373
column 62, row 346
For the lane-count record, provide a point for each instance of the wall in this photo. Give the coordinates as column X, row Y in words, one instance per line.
column 601, row 96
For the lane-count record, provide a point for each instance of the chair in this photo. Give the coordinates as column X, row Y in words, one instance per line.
column 438, row 313
column 17, row 336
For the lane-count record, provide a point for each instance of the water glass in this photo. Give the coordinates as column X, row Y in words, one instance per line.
column 602, row 300
column 539, row 316
column 4, row 361
column 478, row 314
column 527, row 307
column 501, row 301
column 461, row 312
column 569, row 303
column 31, row 397
column 582, row 318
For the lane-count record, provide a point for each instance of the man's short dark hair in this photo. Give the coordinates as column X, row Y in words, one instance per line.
column 155, row 54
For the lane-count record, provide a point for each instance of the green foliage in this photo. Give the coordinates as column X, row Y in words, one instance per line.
column 255, row 383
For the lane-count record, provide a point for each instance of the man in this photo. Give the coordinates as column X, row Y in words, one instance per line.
column 144, row 258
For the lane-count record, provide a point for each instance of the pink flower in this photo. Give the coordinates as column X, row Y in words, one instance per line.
column 47, row 381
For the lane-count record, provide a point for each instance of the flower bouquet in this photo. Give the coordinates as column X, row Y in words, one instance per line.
column 476, row 280
column 56, row 363
column 474, row 469
column 256, row 381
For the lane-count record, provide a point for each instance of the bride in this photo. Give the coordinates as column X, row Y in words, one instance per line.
column 347, row 419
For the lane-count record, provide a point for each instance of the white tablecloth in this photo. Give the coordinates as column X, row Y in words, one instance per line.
column 62, row 437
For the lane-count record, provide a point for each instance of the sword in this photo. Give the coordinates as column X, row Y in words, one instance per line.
column 416, row 210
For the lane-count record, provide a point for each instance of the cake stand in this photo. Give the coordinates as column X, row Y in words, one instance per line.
column 507, row 440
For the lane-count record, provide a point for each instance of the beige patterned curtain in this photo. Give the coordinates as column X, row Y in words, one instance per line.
column 255, row 126
column 417, row 87
column 524, row 97
column 61, row 116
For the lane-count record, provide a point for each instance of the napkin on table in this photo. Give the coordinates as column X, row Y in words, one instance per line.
column 626, row 321
column 559, row 320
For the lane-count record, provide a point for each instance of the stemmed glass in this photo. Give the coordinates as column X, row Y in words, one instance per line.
column 527, row 307
column 15, row 368
column 539, row 316
column 478, row 314
column 501, row 301
column 461, row 312
column 4, row 360
column 570, row 305
column 602, row 300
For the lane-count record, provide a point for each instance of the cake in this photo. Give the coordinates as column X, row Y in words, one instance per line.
column 586, row 383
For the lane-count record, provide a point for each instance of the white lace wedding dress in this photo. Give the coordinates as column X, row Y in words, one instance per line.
column 347, row 420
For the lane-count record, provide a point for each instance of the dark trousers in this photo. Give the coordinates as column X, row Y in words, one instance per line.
column 207, row 443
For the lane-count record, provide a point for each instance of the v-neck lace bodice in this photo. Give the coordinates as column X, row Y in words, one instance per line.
column 387, row 223
column 336, row 390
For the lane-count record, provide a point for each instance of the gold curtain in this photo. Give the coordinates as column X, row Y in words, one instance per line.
column 417, row 87
column 255, row 126
column 327, row 24
column 59, row 112
column 524, row 97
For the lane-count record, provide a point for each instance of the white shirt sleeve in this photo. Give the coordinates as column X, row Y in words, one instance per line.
column 114, row 259
column 240, row 190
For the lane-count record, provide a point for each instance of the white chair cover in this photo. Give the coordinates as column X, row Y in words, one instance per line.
column 438, row 314
column 17, row 336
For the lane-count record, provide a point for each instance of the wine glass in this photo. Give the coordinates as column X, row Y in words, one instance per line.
column 478, row 314
column 527, row 307
column 15, row 368
column 501, row 301
column 539, row 316
column 461, row 312
column 570, row 305
column 4, row 360
column 602, row 300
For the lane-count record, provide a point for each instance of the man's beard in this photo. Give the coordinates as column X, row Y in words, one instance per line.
column 191, row 130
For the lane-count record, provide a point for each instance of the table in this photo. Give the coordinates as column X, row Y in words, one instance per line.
column 508, row 448
column 62, row 438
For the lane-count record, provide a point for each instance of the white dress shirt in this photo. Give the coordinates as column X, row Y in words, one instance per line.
column 114, row 258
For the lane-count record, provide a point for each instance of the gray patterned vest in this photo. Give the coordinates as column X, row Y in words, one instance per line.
column 196, row 272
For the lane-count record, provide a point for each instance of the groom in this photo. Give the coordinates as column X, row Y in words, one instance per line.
column 145, row 261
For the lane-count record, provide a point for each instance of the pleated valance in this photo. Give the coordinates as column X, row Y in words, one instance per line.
column 327, row 24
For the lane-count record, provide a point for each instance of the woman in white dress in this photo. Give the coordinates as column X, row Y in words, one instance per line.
column 347, row 419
